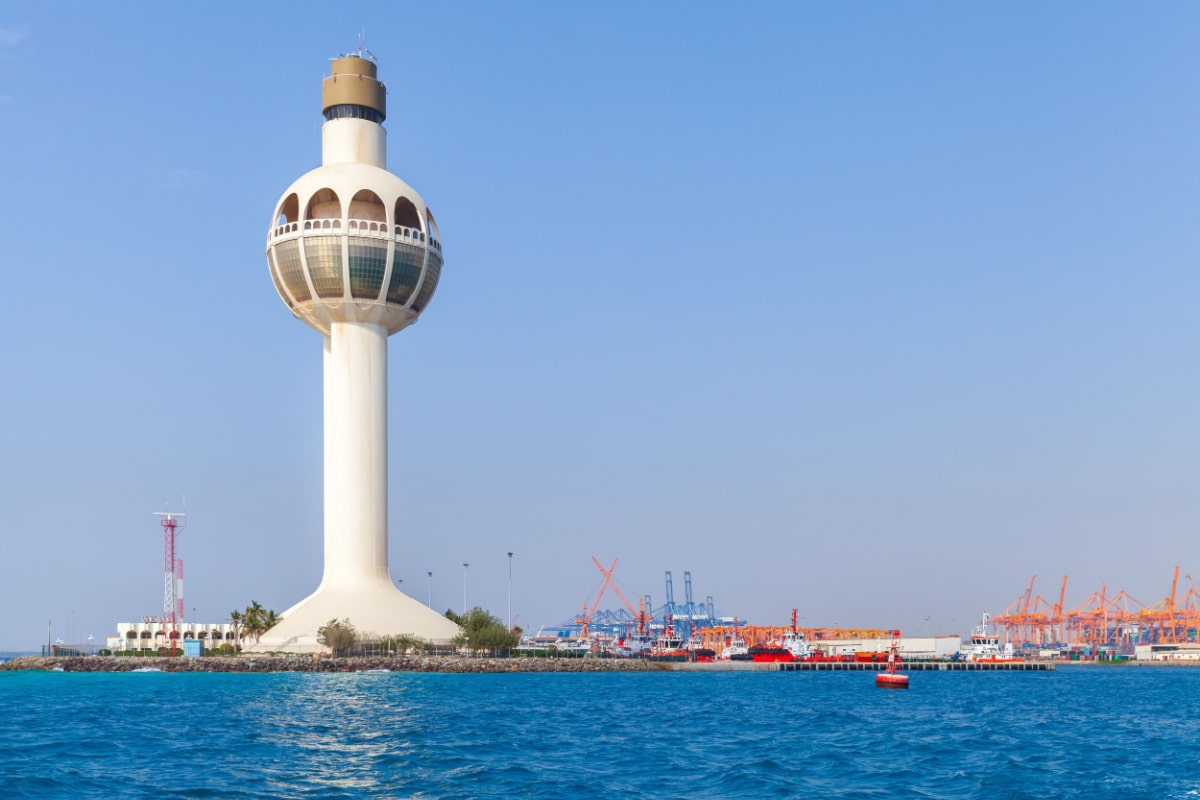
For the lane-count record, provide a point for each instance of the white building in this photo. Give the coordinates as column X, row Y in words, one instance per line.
column 1167, row 652
column 152, row 635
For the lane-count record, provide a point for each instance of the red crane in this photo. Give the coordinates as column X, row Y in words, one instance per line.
column 608, row 581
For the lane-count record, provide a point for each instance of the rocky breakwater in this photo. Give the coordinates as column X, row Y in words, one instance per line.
column 328, row 664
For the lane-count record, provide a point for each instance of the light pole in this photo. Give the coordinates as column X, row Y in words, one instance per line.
column 465, row 565
column 510, row 591
column 429, row 590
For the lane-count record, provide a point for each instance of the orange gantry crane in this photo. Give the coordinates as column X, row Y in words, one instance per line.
column 1188, row 610
column 1030, row 620
column 1102, row 619
column 1172, row 620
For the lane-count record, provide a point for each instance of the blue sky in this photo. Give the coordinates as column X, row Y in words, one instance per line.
column 872, row 311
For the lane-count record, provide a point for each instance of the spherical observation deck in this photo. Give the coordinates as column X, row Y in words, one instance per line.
column 351, row 242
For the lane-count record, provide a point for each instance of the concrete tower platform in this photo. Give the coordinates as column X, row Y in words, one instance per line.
column 355, row 254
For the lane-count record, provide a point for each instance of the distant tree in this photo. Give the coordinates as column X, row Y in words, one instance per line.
column 482, row 630
column 402, row 643
column 257, row 620
column 235, row 617
column 338, row 635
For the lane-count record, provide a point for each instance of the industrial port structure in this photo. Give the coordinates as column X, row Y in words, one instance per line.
column 696, row 621
column 641, row 618
column 1102, row 620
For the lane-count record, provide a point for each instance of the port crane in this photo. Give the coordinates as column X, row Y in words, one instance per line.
column 1102, row 619
column 585, row 618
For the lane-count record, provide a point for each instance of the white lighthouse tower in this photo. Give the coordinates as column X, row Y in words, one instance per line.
column 354, row 252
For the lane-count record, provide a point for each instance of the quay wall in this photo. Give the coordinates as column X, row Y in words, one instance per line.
column 328, row 664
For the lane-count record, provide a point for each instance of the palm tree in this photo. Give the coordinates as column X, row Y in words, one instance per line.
column 255, row 620
column 235, row 617
column 271, row 619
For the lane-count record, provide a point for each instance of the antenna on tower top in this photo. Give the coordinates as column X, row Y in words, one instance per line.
column 362, row 41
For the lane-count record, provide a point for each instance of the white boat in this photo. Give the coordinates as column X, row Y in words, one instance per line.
column 146, row 669
column 574, row 647
column 984, row 644
column 796, row 644
column 735, row 649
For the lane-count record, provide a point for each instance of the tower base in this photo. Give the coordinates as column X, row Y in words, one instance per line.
column 376, row 608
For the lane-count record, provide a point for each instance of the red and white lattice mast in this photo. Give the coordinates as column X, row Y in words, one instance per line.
column 172, row 574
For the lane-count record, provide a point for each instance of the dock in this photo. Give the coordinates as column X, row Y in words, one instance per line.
column 865, row 666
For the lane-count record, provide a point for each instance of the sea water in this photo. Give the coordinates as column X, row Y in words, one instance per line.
column 1074, row 733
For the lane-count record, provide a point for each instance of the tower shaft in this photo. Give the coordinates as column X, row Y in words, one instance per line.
column 356, row 502
column 355, row 141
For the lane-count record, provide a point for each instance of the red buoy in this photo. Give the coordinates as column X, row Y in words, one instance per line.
column 892, row 679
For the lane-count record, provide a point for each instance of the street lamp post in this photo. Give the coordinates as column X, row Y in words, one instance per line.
column 465, row 565
column 429, row 589
column 510, row 555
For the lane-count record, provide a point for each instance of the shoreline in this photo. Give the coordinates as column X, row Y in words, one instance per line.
column 451, row 664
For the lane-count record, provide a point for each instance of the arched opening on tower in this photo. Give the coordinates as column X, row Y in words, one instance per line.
column 289, row 210
column 435, row 236
column 366, row 205
column 324, row 204
column 406, row 214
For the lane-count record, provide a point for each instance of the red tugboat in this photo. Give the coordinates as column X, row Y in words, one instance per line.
column 770, row 653
column 668, row 646
column 792, row 647
column 892, row 679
